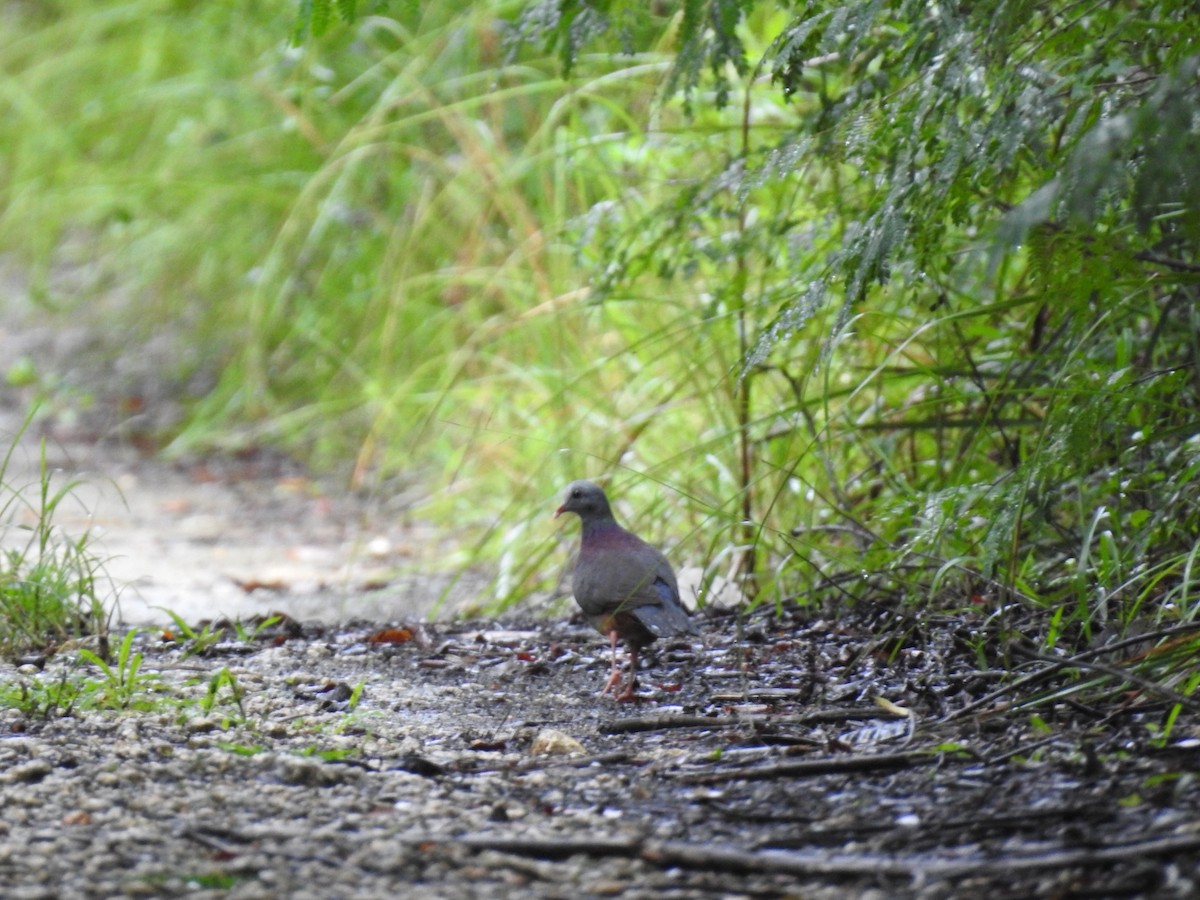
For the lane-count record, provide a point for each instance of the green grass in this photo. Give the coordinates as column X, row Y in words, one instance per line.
column 122, row 683
column 83, row 681
column 52, row 585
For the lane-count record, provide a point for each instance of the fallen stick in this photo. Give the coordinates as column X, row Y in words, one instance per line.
column 548, row 847
column 917, row 866
column 662, row 723
column 806, row 768
column 724, row 858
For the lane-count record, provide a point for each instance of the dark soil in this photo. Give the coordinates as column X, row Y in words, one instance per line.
column 869, row 755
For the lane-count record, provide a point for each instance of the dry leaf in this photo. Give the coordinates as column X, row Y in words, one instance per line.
column 391, row 636
column 555, row 743
column 887, row 705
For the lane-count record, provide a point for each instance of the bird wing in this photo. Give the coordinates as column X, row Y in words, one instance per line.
column 625, row 574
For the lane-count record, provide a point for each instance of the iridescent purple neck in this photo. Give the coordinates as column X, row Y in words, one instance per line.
column 602, row 530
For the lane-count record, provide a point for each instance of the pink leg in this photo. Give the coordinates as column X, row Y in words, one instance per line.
column 628, row 694
column 614, row 679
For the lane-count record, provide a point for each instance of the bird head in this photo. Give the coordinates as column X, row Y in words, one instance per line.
column 584, row 498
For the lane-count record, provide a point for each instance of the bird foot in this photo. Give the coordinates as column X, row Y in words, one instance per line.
column 614, row 682
column 629, row 695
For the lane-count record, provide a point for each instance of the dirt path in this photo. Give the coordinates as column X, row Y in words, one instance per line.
column 233, row 538
column 206, row 537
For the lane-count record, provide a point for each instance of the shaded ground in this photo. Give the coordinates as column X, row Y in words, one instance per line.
column 754, row 768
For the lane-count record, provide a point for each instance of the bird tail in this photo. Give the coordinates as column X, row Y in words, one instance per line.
column 666, row 620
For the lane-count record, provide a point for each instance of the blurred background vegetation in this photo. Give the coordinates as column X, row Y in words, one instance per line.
column 851, row 302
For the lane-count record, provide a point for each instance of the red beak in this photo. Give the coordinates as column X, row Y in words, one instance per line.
column 558, row 512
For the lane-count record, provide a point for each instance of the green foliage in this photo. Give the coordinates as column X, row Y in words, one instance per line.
column 80, row 681
column 50, row 582
column 565, row 29
column 124, row 685
column 223, row 686
column 1164, row 672
column 120, row 685
column 986, row 218
column 44, row 698
column 313, row 16
column 195, row 642
column 200, row 641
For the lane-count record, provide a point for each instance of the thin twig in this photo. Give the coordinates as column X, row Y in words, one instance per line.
column 726, row 859
column 1124, row 675
column 548, row 847
column 662, row 723
column 1177, row 264
column 807, row 768
column 1056, row 665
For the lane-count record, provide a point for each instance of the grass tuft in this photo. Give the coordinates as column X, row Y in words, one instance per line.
column 52, row 586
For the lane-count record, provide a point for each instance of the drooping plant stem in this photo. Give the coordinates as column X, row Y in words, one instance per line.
column 747, row 569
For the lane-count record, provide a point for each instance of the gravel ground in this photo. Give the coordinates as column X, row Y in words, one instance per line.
column 475, row 759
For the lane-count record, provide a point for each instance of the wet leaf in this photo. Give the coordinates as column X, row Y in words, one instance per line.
column 491, row 746
column 391, row 636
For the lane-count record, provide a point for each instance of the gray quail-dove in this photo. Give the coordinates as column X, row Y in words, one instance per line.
column 625, row 587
